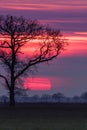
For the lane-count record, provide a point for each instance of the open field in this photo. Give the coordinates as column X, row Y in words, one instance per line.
column 44, row 117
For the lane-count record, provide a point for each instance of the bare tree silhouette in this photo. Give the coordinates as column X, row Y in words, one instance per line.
column 18, row 33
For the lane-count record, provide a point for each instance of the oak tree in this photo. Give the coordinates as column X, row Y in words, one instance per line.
column 24, row 43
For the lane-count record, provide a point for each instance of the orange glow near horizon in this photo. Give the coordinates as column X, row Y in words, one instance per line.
column 38, row 83
column 77, row 45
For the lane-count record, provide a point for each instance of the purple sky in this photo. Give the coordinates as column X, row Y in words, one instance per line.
column 68, row 73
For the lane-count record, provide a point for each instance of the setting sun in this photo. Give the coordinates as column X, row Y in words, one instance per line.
column 37, row 84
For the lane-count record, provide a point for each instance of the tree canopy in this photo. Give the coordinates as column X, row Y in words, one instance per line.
column 24, row 44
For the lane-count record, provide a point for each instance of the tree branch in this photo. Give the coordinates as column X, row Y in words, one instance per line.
column 6, row 81
column 5, row 60
column 36, row 61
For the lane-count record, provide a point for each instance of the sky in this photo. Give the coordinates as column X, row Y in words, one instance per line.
column 67, row 73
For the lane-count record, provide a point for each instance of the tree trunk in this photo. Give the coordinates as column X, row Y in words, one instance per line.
column 12, row 98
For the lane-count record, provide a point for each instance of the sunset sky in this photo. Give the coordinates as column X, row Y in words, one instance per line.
column 67, row 73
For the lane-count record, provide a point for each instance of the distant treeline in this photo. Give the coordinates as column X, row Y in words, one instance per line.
column 56, row 97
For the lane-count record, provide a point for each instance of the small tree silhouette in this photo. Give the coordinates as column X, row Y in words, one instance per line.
column 18, row 33
column 84, row 96
column 58, row 97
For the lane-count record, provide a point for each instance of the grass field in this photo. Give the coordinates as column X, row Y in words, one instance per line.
column 44, row 117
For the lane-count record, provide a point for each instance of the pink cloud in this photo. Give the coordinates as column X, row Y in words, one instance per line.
column 62, row 20
column 43, row 6
column 77, row 44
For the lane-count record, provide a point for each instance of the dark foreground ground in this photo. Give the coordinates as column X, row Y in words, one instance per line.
column 44, row 117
